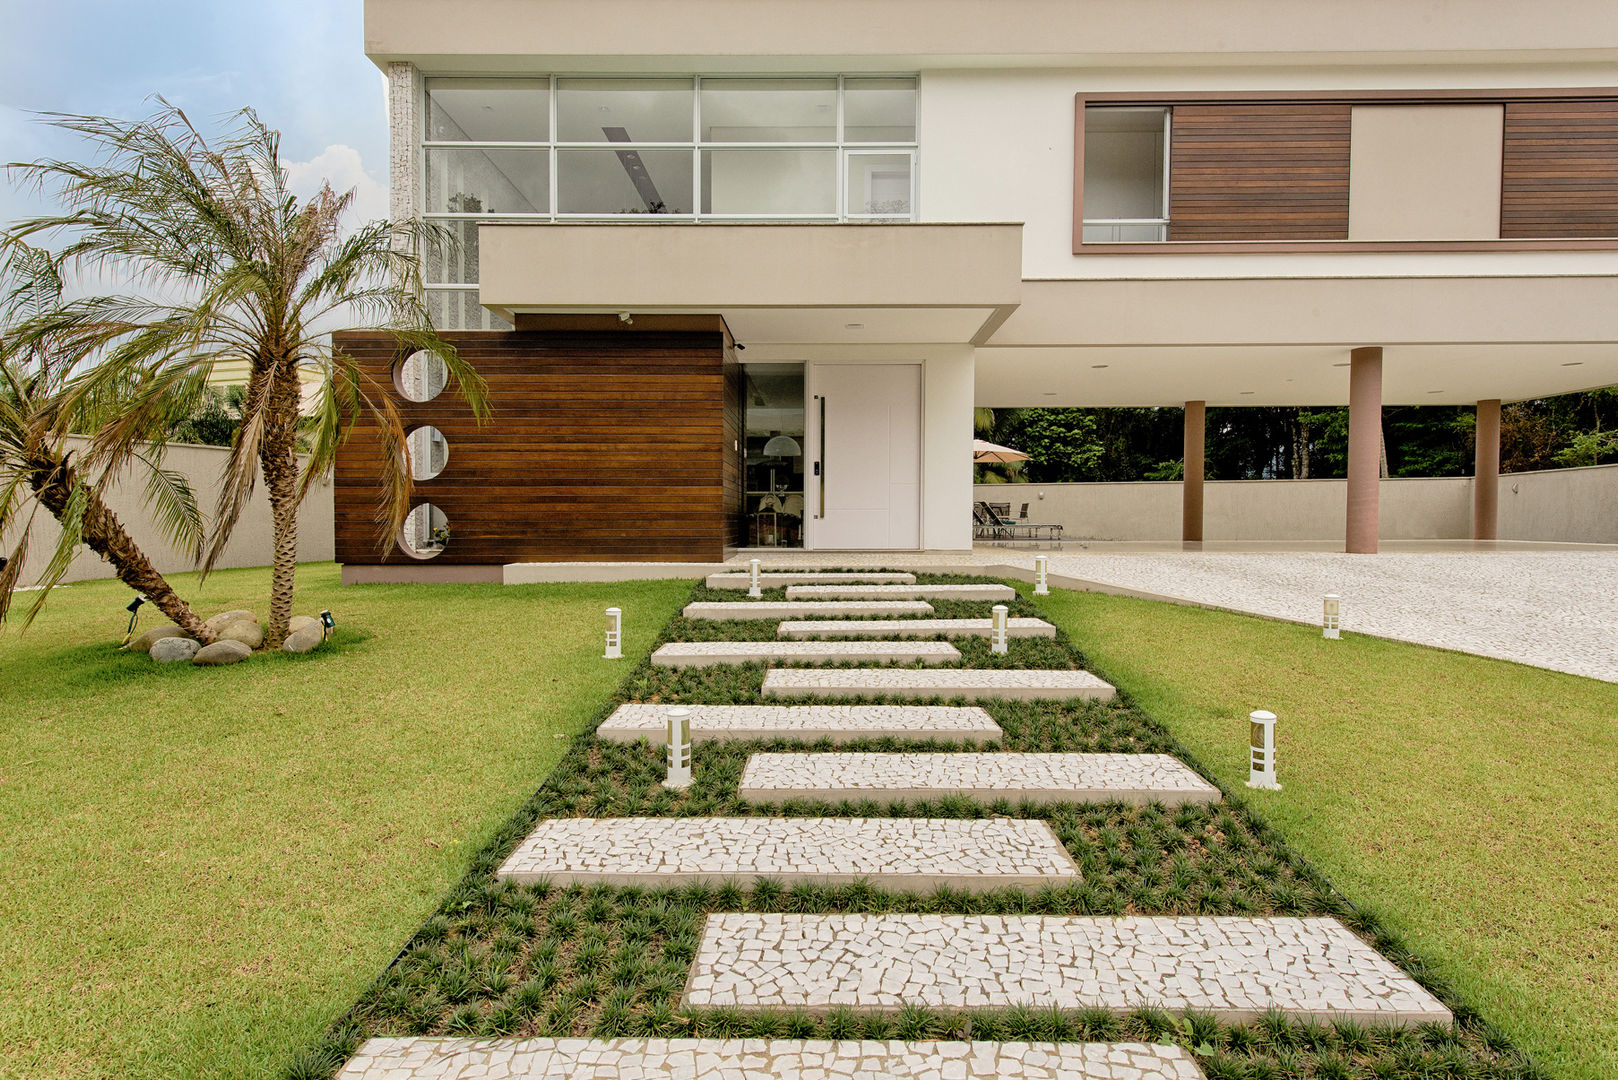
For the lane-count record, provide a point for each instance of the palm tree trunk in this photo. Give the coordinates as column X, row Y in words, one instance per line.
column 278, row 460
column 52, row 480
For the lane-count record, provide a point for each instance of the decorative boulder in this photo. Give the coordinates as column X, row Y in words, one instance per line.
column 171, row 650
column 298, row 622
column 245, row 631
column 145, row 642
column 225, row 618
column 304, row 640
column 224, row 651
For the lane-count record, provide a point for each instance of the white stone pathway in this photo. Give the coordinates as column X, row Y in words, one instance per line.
column 973, row 683
column 848, row 628
column 709, row 653
column 986, row 591
column 898, row 853
column 805, row 723
column 774, row 579
column 797, row 609
column 1235, row 968
column 1019, row 777
column 762, row 1059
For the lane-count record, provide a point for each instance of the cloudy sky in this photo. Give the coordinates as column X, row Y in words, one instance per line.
column 298, row 62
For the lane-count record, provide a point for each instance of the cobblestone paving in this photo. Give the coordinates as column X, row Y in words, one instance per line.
column 901, row 592
column 1236, row 968
column 762, row 1059
column 901, row 853
column 807, row 628
column 774, row 579
column 808, row 723
column 793, row 609
column 1019, row 777
column 974, row 683
column 708, row 653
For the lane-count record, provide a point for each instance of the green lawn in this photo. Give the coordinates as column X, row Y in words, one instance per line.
column 1471, row 803
column 199, row 868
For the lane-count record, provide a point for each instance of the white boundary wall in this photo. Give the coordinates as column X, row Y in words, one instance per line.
column 1561, row 505
column 250, row 543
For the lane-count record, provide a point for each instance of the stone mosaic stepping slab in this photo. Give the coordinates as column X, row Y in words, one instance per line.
column 1036, row 778
column 850, row 628
column 761, row 1059
column 1236, row 968
column 774, row 579
column 901, row 853
column 985, row 591
column 975, row 684
column 794, row 609
column 806, row 723
column 709, row 653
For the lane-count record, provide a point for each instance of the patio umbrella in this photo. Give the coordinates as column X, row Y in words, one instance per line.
column 983, row 450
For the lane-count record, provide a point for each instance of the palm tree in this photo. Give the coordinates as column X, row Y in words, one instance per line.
column 38, row 470
column 261, row 276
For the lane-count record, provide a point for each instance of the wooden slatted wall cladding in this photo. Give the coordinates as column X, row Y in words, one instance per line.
column 599, row 446
column 1560, row 175
column 1259, row 171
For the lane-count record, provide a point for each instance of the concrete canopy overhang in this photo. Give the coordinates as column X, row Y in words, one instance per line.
column 1286, row 341
column 773, row 283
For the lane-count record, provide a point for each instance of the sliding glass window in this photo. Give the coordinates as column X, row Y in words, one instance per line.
column 685, row 149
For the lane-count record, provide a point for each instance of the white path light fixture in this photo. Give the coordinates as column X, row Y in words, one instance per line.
column 1331, row 620
column 1261, row 773
column 615, row 635
column 1041, row 585
column 754, row 592
column 679, row 742
column 997, row 639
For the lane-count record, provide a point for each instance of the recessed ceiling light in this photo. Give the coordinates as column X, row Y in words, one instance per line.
column 853, row 326
column 1246, row 392
column 1435, row 391
column 1048, row 393
column 1574, row 363
column 1098, row 367
column 1343, row 364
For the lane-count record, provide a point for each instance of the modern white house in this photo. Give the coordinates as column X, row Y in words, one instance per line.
column 737, row 272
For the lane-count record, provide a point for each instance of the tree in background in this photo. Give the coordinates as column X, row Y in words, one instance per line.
column 213, row 420
column 40, row 405
column 263, row 277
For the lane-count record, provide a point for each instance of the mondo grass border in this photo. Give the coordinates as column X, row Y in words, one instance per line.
column 500, row 959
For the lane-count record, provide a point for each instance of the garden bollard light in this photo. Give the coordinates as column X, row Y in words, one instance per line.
column 679, row 739
column 1041, row 587
column 997, row 637
column 1262, row 761
column 753, row 589
column 615, row 635
column 327, row 623
column 1331, row 621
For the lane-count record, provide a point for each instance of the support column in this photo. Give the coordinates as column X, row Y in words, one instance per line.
column 1196, row 419
column 1364, row 448
column 1486, row 473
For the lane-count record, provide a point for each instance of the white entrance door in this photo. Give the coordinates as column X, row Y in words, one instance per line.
column 866, row 421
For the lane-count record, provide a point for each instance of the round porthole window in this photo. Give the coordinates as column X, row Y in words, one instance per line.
column 421, row 376
column 425, row 533
column 428, row 452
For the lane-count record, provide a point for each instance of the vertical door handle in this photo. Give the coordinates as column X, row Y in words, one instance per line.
column 820, row 463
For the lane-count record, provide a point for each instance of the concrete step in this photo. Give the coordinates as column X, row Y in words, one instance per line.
column 774, row 579
column 955, row 628
column 985, row 591
column 1036, row 778
column 761, row 1059
column 974, row 684
column 790, row 609
column 898, row 853
column 709, row 653
column 805, row 723
column 1234, row 968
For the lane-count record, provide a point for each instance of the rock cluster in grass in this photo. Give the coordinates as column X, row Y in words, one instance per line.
column 237, row 635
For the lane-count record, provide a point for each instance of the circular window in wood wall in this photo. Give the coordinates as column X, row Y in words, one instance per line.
column 427, row 451
column 421, row 376
column 425, row 533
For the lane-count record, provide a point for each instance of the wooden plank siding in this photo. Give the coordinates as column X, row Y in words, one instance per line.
column 1259, row 171
column 1560, row 169
column 600, row 445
